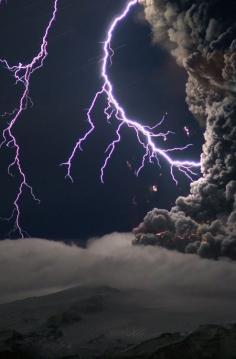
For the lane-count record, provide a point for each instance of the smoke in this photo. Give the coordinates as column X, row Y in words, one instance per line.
column 35, row 267
column 201, row 35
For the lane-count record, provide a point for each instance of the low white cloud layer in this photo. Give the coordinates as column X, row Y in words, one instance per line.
column 36, row 266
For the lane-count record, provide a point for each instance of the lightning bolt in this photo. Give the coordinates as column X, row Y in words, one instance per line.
column 146, row 136
column 22, row 75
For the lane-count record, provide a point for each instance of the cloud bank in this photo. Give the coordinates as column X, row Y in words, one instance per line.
column 201, row 35
column 35, row 267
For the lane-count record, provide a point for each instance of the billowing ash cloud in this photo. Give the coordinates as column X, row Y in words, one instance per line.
column 201, row 35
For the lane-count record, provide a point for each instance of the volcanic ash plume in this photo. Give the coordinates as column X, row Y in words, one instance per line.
column 201, row 35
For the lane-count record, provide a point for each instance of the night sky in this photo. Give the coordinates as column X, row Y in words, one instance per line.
column 103, row 267
column 147, row 82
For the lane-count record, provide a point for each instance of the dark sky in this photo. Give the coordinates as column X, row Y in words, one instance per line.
column 147, row 82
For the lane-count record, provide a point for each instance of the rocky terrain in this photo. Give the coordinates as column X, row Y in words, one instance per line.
column 210, row 341
column 105, row 323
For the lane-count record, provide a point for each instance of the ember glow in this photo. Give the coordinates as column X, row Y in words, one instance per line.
column 154, row 188
column 186, row 130
column 147, row 136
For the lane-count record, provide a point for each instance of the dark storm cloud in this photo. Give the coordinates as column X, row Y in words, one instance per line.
column 201, row 35
column 34, row 267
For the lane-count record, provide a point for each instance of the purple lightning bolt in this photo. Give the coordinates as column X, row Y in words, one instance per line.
column 22, row 75
column 145, row 134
